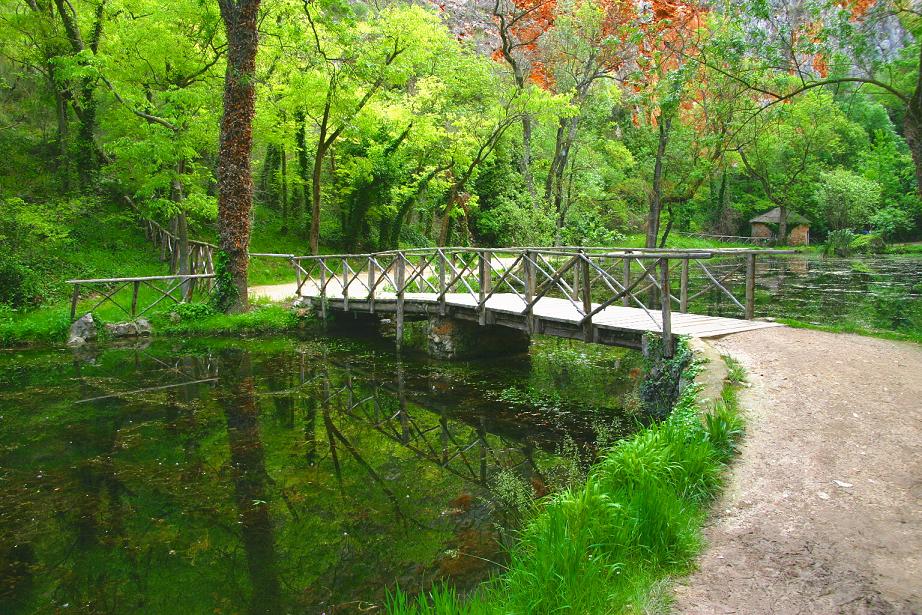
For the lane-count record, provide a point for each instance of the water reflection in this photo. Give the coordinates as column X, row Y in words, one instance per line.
column 818, row 289
column 287, row 476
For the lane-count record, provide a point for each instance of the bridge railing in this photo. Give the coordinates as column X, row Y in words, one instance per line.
column 589, row 279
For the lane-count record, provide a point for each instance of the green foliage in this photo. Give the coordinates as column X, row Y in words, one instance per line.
column 661, row 386
column 260, row 319
column 890, row 222
column 193, row 311
column 869, row 243
column 839, row 242
column 225, row 291
column 847, row 198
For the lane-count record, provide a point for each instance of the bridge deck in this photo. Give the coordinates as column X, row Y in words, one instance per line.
column 547, row 310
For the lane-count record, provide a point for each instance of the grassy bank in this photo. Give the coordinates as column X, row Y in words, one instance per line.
column 610, row 544
column 49, row 326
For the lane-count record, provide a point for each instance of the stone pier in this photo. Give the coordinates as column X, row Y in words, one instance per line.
column 452, row 338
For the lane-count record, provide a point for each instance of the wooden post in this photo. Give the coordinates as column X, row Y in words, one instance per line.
column 750, row 286
column 586, row 292
column 442, row 289
column 683, row 288
column 345, row 285
column 577, row 275
column 626, row 300
column 134, row 297
column 400, row 276
column 371, row 285
column 323, row 289
column 529, row 288
column 666, row 305
column 295, row 264
column 484, row 278
column 73, row 303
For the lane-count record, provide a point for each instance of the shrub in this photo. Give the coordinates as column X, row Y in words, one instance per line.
column 20, row 286
column 891, row 221
column 193, row 311
column 870, row 243
column 839, row 242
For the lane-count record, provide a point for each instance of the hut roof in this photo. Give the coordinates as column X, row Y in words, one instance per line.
column 773, row 216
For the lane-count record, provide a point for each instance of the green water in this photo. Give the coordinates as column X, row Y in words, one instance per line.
column 874, row 291
column 280, row 476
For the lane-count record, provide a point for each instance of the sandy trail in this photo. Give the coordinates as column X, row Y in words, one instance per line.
column 823, row 512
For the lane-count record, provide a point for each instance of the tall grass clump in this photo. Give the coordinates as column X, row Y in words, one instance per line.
column 606, row 545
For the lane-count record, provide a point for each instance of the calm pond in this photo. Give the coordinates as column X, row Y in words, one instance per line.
column 877, row 290
column 284, row 475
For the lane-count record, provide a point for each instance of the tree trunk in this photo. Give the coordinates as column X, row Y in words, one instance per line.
column 912, row 127
column 85, row 105
column 656, row 193
column 303, row 175
column 912, row 132
column 525, row 162
column 235, row 181
column 182, row 229
column 283, row 193
column 314, row 237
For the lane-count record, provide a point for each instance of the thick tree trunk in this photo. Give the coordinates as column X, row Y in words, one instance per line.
column 656, row 192
column 912, row 132
column 235, row 182
column 85, row 106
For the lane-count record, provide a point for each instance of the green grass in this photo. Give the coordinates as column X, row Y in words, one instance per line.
column 49, row 325
column 910, row 335
column 611, row 544
column 681, row 241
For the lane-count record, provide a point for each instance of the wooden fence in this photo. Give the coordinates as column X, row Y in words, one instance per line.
column 201, row 253
column 175, row 288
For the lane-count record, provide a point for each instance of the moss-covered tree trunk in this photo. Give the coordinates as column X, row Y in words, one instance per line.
column 235, row 182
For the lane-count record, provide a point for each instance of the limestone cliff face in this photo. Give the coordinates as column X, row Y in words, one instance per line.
column 472, row 21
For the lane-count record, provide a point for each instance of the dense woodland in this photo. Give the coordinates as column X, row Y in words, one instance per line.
column 372, row 125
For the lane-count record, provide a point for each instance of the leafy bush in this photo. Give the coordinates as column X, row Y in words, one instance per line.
column 870, row 243
column 20, row 286
column 847, row 198
column 891, row 221
column 193, row 311
column 839, row 242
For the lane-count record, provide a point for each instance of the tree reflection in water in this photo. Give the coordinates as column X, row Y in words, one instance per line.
column 276, row 477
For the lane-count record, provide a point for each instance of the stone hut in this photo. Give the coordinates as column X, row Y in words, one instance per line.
column 766, row 225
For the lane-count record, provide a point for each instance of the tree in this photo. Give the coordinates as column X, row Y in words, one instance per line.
column 847, row 198
column 235, row 182
column 783, row 149
column 158, row 63
column 826, row 44
column 358, row 62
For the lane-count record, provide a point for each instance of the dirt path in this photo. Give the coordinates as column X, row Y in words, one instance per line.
column 823, row 513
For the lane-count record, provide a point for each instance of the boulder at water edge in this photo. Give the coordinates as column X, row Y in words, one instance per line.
column 83, row 330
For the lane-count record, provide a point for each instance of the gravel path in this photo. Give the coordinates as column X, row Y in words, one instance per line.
column 823, row 512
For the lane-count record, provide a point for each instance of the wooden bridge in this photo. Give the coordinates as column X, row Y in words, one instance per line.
column 602, row 295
